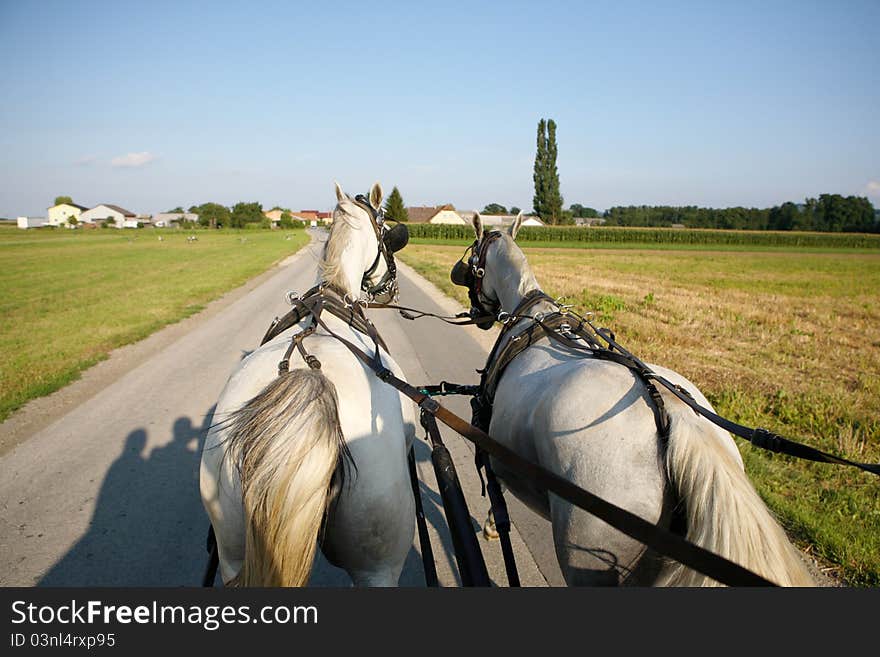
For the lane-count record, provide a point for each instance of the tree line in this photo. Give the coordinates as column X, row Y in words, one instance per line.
column 214, row 215
column 828, row 213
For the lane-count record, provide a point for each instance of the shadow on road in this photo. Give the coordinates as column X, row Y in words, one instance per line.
column 149, row 526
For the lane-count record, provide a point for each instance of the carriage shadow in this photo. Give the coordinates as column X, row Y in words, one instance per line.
column 149, row 526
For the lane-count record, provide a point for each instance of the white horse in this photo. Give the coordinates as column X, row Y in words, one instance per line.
column 274, row 478
column 591, row 422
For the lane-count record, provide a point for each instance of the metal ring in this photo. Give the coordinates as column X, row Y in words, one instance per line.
column 291, row 297
column 479, row 272
column 503, row 316
column 538, row 317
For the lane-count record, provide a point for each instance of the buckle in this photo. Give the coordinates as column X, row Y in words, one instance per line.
column 430, row 405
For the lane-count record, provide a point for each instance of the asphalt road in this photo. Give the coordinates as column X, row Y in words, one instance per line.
column 99, row 482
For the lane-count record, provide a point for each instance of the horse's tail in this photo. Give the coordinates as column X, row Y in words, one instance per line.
column 287, row 442
column 724, row 513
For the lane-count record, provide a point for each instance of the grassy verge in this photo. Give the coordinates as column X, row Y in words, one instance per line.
column 68, row 298
column 788, row 340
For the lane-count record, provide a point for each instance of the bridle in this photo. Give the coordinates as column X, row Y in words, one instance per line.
column 389, row 241
column 469, row 272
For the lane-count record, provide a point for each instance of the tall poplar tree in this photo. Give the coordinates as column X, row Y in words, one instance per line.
column 394, row 207
column 547, row 201
column 539, row 200
column 553, row 198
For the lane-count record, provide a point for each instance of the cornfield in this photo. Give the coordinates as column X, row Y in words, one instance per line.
column 621, row 235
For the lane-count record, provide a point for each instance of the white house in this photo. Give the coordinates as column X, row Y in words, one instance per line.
column 447, row 215
column 120, row 217
column 440, row 214
column 499, row 220
column 59, row 214
column 166, row 219
column 589, row 221
column 31, row 222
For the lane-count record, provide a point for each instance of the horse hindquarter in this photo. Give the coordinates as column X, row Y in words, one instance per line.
column 590, row 422
column 369, row 420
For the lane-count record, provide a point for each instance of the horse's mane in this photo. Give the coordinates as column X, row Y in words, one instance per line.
column 344, row 223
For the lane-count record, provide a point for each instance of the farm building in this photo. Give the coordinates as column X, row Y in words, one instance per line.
column 589, row 221
column 274, row 215
column 447, row 214
column 120, row 217
column 306, row 216
column 168, row 219
column 498, row 220
column 32, row 222
column 59, row 214
column 440, row 214
column 310, row 216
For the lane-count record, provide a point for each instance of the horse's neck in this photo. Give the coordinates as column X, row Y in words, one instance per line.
column 516, row 280
column 348, row 272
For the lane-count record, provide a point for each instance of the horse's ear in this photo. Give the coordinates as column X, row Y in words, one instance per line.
column 340, row 195
column 478, row 226
column 515, row 226
column 376, row 196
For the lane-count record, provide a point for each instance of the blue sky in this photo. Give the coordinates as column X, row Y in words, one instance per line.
column 150, row 105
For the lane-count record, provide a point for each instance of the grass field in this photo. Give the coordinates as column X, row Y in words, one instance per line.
column 788, row 340
column 68, row 298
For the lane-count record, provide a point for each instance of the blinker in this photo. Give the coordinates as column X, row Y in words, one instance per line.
column 461, row 273
column 396, row 238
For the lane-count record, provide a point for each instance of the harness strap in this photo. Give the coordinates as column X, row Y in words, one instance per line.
column 500, row 515
column 414, row 313
column 424, row 538
column 352, row 314
column 310, row 360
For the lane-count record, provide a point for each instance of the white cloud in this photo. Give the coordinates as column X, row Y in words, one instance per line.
column 133, row 159
column 873, row 188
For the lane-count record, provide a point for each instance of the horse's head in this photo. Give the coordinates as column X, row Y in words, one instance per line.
column 377, row 239
column 481, row 271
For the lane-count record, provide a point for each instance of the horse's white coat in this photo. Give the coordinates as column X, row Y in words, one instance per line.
column 369, row 530
column 591, row 422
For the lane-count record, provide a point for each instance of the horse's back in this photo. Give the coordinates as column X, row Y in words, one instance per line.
column 591, row 422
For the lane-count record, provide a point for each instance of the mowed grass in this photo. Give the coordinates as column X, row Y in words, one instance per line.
column 67, row 298
column 786, row 340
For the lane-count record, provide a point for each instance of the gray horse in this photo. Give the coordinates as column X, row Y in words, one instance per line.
column 592, row 422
